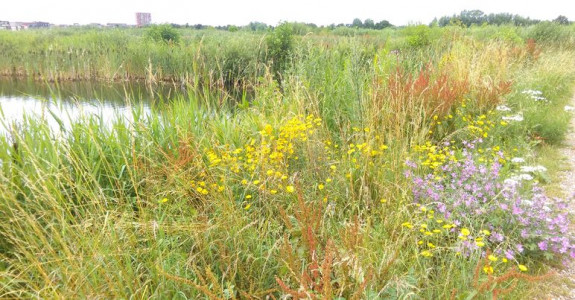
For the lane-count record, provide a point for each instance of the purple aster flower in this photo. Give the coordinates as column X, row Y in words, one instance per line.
column 542, row 245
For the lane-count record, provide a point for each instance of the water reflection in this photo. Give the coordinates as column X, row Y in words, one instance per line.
column 59, row 104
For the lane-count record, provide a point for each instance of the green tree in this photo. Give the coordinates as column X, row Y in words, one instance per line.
column 562, row 20
column 257, row 26
column 368, row 23
column 383, row 24
column 357, row 23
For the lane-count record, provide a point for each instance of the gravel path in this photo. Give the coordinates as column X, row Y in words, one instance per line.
column 567, row 175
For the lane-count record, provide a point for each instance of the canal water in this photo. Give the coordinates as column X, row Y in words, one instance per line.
column 68, row 101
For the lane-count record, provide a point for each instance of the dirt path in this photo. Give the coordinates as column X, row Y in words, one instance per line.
column 567, row 184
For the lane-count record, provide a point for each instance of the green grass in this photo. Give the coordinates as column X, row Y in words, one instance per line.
column 145, row 209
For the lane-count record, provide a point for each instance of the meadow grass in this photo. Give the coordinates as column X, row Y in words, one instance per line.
column 305, row 187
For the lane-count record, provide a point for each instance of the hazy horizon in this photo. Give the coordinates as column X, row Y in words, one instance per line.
column 227, row 12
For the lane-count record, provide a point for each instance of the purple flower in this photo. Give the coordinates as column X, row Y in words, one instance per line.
column 542, row 245
column 473, row 194
column 496, row 237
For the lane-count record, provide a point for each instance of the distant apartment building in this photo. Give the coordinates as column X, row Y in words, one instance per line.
column 143, row 19
column 4, row 25
column 18, row 26
column 38, row 25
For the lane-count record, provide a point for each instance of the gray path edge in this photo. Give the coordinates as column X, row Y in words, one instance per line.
column 567, row 185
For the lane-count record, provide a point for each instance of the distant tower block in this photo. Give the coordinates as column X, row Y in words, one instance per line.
column 143, row 19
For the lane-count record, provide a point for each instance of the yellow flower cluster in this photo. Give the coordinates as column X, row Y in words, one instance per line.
column 433, row 156
column 262, row 165
column 203, row 188
column 478, row 125
column 434, row 231
column 431, row 230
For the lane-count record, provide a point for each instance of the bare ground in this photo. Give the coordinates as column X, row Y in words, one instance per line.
column 567, row 185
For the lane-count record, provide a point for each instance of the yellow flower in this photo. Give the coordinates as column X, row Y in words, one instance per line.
column 248, row 206
column 465, row 231
column 504, row 260
column 485, row 232
column 407, row 224
column 273, row 192
column 492, row 257
column 163, row 200
column 290, row 188
column 426, row 253
column 480, row 244
column 488, row 269
column 321, row 186
column 523, row 268
column 268, row 129
column 248, row 196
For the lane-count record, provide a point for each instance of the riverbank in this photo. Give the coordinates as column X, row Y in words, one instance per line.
column 353, row 172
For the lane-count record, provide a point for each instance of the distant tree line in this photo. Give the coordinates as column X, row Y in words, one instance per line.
column 298, row 27
column 476, row 17
column 465, row 18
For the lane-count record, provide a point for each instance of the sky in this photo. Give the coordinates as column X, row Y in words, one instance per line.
column 241, row 12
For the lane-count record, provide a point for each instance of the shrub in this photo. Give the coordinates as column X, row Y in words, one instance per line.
column 280, row 45
column 548, row 32
column 163, row 33
column 418, row 36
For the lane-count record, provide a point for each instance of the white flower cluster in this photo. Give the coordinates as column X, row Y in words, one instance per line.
column 533, row 169
column 502, row 108
column 518, row 160
column 518, row 117
column 569, row 108
column 535, row 95
column 514, row 180
column 525, row 170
